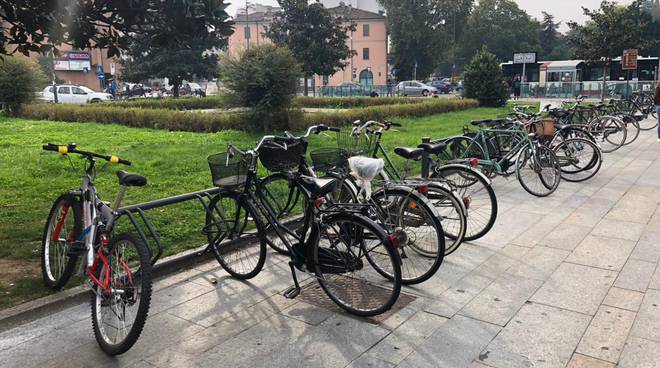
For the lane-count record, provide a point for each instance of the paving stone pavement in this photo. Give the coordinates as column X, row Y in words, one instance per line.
column 571, row 280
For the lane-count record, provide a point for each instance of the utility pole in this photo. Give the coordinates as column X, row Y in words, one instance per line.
column 247, row 24
column 53, row 76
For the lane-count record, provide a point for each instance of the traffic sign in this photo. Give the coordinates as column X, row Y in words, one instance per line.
column 524, row 57
column 629, row 59
column 101, row 76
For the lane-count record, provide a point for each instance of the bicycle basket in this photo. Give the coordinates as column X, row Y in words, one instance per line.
column 328, row 158
column 275, row 158
column 228, row 171
column 355, row 145
column 543, row 128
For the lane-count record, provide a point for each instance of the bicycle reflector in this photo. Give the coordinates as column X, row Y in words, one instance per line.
column 393, row 240
column 319, row 201
column 423, row 189
column 474, row 162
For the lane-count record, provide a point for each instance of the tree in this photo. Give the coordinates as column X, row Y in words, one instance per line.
column 157, row 53
column 611, row 29
column 501, row 26
column 20, row 80
column 41, row 25
column 483, row 79
column 316, row 38
column 549, row 37
column 264, row 78
column 424, row 34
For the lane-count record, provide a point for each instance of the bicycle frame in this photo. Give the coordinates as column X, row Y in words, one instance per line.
column 481, row 135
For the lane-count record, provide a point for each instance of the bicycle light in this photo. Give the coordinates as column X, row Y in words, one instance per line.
column 319, row 201
column 423, row 189
column 393, row 240
column 474, row 162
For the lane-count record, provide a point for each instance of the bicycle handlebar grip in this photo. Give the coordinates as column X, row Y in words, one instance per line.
column 50, row 147
column 333, row 129
column 395, row 124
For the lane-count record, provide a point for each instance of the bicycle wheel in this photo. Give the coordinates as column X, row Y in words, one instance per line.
column 231, row 216
column 647, row 124
column 609, row 132
column 477, row 194
column 118, row 316
column 452, row 213
column 286, row 200
column 579, row 159
column 58, row 246
column 632, row 127
column 416, row 225
column 538, row 170
column 346, row 250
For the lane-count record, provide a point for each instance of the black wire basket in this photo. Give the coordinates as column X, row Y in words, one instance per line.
column 276, row 159
column 329, row 159
column 355, row 144
column 228, row 171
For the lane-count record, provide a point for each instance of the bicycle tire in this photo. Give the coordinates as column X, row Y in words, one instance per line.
column 602, row 128
column 572, row 159
column 67, row 257
column 277, row 187
column 237, row 259
column 633, row 129
column 477, row 195
column 143, row 273
column 541, row 158
column 390, row 284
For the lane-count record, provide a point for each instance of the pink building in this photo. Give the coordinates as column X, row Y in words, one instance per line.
column 369, row 41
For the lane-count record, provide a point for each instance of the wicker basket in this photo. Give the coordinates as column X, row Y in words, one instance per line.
column 543, row 128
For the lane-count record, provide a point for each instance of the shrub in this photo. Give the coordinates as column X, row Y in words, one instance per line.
column 20, row 80
column 264, row 78
column 347, row 102
column 181, row 103
column 483, row 80
column 212, row 122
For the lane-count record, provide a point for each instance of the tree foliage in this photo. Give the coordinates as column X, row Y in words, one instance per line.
column 316, row 38
column 156, row 53
column 37, row 25
column 501, row 26
column 264, row 78
column 423, row 33
column 484, row 81
column 20, row 80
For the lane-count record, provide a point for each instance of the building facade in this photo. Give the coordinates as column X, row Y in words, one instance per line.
column 367, row 67
column 91, row 67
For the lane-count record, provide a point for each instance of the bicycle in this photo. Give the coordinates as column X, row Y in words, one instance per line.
column 352, row 258
column 116, row 267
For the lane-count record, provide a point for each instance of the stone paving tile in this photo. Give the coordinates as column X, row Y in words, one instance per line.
column 539, row 263
column 510, row 227
column 640, row 353
column 606, row 253
column 583, row 361
column 648, row 247
column 647, row 324
column 454, row 345
column 494, row 266
column 618, row 229
column 36, row 328
column 635, row 275
column 501, row 300
column 655, row 280
column 402, row 341
column 624, row 299
column 366, row 361
column 632, row 211
column 538, row 336
column 536, row 232
column 177, row 294
column 606, row 334
column 565, row 236
column 453, row 299
column 576, row 287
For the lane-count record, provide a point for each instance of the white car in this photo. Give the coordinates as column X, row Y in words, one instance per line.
column 72, row 94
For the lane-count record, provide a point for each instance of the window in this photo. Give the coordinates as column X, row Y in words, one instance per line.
column 365, row 30
column 366, row 78
column 365, row 53
column 247, row 32
column 63, row 90
column 78, row 91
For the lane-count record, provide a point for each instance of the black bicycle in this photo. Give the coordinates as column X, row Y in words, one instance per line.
column 353, row 259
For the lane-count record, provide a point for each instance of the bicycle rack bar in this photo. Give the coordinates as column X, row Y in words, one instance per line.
column 155, row 236
column 425, row 159
column 170, row 200
column 138, row 229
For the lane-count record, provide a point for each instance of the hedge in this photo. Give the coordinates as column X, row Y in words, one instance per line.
column 182, row 103
column 212, row 122
column 348, row 102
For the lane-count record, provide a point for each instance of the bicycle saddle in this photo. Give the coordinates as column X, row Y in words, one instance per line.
column 131, row 180
column 409, row 153
column 433, row 148
column 318, row 187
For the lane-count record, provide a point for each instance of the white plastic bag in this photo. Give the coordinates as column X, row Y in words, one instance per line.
column 365, row 169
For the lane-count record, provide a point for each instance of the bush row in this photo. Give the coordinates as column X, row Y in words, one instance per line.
column 348, row 102
column 211, row 122
column 182, row 103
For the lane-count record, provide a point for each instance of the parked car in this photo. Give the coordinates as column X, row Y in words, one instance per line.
column 443, row 86
column 415, row 88
column 74, row 94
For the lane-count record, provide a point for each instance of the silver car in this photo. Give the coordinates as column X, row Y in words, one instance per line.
column 415, row 88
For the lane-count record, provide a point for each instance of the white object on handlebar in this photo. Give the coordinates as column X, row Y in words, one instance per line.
column 365, row 169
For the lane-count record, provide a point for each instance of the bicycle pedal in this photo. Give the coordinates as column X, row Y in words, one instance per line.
column 292, row 292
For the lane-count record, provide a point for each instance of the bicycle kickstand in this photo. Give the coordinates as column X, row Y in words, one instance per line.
column 293, row 291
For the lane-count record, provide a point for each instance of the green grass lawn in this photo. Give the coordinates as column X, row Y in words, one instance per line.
column 173, row 162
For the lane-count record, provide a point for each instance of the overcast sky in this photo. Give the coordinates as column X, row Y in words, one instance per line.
column 564, row 10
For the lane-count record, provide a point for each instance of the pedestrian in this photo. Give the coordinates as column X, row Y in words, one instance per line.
column 516, row 88
column 113, row 89
column 656, row 101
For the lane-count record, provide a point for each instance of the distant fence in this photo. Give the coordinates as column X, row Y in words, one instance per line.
column 591, row 89
column 349, row 91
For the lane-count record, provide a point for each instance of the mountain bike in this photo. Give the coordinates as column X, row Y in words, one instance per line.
column 117, row 267
column 351, row 257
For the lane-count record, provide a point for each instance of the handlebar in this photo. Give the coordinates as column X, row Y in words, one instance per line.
column 71, row 148
column 385, row 125
column 287, row 139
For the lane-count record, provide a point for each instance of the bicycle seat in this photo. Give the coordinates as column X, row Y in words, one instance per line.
column 318, row 187
column 433, row 148
column 409, row 153
column 131, row 180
